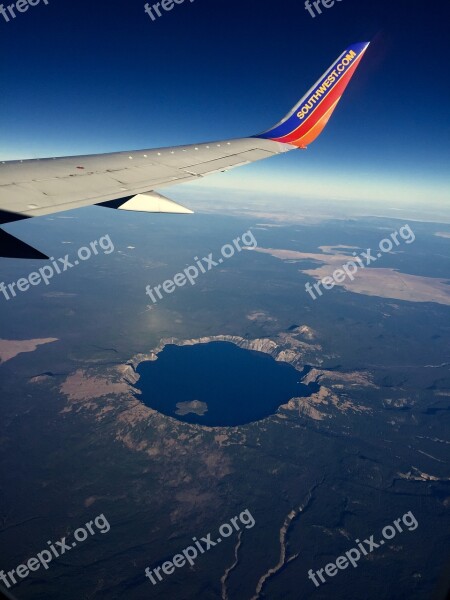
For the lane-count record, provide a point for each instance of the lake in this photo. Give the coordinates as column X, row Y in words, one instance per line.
column 217, row 384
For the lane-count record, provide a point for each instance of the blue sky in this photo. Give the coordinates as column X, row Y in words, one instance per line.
column 85, row 77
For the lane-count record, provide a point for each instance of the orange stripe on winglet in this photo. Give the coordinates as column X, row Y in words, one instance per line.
column 315, row 131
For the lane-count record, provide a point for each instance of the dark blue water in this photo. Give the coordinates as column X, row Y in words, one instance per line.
column 239, row 386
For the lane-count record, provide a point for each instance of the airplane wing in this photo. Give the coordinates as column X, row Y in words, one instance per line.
column 128, row 180
column 38, row 187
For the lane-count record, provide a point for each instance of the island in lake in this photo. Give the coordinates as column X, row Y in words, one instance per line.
column 196, row 407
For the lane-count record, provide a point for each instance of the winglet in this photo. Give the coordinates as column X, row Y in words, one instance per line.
column 309, row 116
